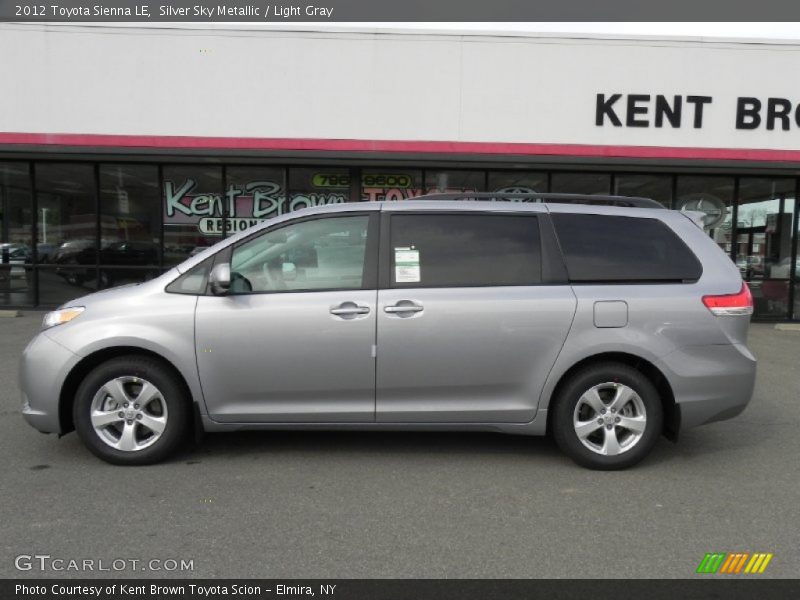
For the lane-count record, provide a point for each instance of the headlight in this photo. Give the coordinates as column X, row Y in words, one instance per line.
column 61, row 316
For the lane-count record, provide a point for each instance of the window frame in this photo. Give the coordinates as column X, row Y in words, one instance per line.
column 553, row 271
column 369, row 279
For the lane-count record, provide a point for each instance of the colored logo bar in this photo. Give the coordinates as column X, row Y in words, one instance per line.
column 734, row 563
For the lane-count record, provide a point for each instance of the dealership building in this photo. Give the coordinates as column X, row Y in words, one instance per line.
column 124, row 150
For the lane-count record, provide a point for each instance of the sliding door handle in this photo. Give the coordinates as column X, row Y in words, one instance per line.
column 404, row 306
column 349, row 309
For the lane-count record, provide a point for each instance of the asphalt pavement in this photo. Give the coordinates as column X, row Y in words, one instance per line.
column 432, row 505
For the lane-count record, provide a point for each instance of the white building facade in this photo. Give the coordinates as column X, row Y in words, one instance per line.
column 124, row 149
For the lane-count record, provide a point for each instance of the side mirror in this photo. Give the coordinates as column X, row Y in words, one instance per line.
column 289, row 271
column 220, row 278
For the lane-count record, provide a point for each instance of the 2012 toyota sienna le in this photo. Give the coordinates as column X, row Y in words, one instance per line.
column 604, row 320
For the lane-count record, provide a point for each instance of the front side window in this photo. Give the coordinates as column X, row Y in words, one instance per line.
column 320, row 254
column 601, row 248
column 458, row 250
column 193, row 282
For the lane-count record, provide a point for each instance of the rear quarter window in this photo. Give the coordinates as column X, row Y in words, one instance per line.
column 612, row 249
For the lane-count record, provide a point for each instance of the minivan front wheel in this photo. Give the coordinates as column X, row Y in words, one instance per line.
column 608, row 416
column 131, row 410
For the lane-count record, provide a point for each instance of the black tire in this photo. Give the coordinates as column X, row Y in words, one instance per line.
column 582, row 381
column 171, row 392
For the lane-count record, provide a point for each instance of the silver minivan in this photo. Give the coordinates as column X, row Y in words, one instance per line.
column 605, row 321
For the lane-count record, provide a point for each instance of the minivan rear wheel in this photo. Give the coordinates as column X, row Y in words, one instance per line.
column 131, row 410
column 608, row 416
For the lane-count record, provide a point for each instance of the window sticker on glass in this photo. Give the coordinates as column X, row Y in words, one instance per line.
column 406, row 265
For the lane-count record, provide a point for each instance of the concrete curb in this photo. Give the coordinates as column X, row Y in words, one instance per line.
column 788, row 326
column 9, row 313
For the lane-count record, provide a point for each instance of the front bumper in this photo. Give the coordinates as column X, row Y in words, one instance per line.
column 43, row 368
column 710, row 383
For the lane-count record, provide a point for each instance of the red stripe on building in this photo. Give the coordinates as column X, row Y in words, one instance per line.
column 391, row 146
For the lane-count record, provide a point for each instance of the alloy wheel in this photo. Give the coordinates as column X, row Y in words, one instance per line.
column 128, row 413
column 609, row 418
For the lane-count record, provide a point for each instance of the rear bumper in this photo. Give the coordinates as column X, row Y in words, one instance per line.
column 710, row 383
column 42, row 370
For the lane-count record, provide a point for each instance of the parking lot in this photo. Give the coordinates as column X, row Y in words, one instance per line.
column 342, row 505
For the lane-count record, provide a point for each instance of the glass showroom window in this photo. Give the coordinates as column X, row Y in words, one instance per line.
column 517, row 181
column 390, row 184
column 657, row 187
column 454, row 181
column 712, row 196
column 764, row 222
column 130, row 224
column 316, row 186
column 67, row 226
column 193, row 210
column 581, row 183
column 796, row 302
column 253, row 195
column 16, row 243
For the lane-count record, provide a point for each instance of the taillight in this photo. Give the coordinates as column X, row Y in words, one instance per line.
column 731, row 305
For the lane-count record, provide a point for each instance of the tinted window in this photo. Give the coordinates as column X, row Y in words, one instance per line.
column 321, row 254
column 605, row 248
column 464, row 250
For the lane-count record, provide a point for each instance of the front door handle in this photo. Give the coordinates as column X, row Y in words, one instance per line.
column 349, row 309
column 404, row 306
